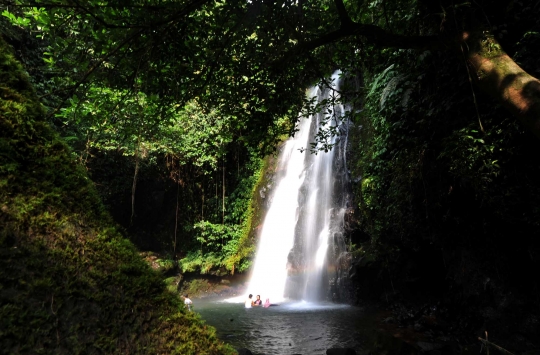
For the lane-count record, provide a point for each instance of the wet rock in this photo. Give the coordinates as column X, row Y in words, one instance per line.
column 389, row 343
column 244, row 351
column 429, row 346
column 340, row 351
column 418, row 327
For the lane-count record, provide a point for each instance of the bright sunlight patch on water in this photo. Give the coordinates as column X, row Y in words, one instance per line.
column 312, row 306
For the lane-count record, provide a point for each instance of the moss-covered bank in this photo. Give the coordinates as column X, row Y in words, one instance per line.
column 69, row 282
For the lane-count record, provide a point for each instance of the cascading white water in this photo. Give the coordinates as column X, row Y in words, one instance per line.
column 277, row 234
column 319, row 223
column 303, row 220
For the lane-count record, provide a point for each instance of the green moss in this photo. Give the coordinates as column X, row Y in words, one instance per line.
column 254, row 217
column 490, row 48
column 70, row 283
column 196, row 287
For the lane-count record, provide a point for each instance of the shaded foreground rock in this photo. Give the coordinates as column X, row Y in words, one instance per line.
column 340, row 351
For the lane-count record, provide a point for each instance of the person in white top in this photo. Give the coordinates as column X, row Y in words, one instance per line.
column 188, row 302
column 249, row 302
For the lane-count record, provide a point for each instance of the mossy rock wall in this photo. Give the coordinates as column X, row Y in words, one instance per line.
column 69, row 282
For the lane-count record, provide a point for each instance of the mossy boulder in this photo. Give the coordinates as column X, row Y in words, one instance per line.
column 69, row 282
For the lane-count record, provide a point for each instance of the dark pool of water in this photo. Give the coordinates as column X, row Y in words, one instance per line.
column 291, row 327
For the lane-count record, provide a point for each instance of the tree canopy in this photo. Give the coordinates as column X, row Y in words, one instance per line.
column 252, row 60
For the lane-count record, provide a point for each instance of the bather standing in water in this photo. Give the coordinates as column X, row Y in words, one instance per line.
column 187, row 302
column 249, row 301
column 258, row 301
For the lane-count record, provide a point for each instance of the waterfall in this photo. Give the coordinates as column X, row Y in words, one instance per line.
column 301, row 244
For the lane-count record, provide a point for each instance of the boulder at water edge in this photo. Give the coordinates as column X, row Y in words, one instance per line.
column 340, row 351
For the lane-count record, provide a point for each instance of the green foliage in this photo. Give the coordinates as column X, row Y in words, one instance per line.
column 473, row 157
column 133, row 123
column 171, row 51
column 196, row 287
column 196, row 261
column 228, row 247
column 433, row 186
column 100, row 126
column 215, row 236
column 16, row 20
column 70, row 283
column 218, row 243
column 172, row 284
column 165, row 264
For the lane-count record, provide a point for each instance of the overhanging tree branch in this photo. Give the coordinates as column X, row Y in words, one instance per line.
column 342, row 13
column 374, row 35
column 495, row 72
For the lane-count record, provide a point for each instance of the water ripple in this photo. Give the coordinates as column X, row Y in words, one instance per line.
column 303, row 328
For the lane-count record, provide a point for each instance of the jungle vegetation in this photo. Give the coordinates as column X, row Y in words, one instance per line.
column 158, row 98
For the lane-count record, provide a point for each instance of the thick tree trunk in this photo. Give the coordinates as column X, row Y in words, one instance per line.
column 498, row 75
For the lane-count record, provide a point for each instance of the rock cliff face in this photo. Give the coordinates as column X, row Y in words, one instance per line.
column 340, row 256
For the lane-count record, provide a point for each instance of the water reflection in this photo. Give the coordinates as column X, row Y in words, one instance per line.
column 290, row 328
